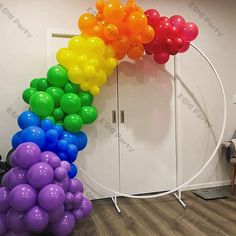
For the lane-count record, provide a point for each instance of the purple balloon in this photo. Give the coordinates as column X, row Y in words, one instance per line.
column 75, row 186
column 64, row 226
column 27, row 154
column 60, row 173
column 40, row 175
column 17, row 234
column 86, row 206
column 3, row 225
column 78, row 214
column 14, row 177
column 22, row 197
column 56, row 215
column 64, row 183
column 69, row 198
column 12, row 160
column 66, row 165
column 4, row 200
column 69, row 207
column 79, row 197
column 15, row 221
column 36, row 219
column 51, row 197
column 51, row 158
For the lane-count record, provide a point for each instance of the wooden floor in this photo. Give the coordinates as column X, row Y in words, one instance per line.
column 161, row 216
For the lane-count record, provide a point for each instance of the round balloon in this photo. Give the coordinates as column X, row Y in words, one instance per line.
column 15, row 221
column 57, row 76
column 70, row 103
column 4, row 200
column 73, row 123
column 27, row 119
column 56, row 94
column 89, row 114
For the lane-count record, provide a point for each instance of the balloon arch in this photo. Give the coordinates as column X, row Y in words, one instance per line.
column 41, row 192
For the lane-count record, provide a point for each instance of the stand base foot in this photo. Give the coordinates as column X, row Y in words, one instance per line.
column 181, row 202
column 114, row 200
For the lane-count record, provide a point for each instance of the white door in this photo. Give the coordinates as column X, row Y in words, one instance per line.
column 100, row 159
column 147, row 128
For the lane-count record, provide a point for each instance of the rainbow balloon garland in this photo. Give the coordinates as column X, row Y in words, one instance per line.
column 40, row 193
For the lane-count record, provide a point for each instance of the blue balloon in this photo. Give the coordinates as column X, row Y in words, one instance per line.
column 16, row 140
column 72, row 153
column 52, row 135
column 82, row 140
column 35, row 135
column 27, row 119
column 52, row 146
column 62, row 156
column 62, row 145
column 73, row 171
column 70, row 138
column 59, row 129
column 47, row 124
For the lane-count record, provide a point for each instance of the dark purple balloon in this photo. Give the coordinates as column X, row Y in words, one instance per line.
column 15, row 221
column 86, row 206
column 17, row 234
column 40, row 175
column 75, row 186
column 12, row 160
column 64, row 183
column 64, row 226
column 4, row 200
column 51, row 158
column 69, row 198
column 56, row 215
column 79, row 197
column 15, row 177
column 3, row 225
column 66, row 165
column 60, row 173
column 27, row 154
column 51, row 197
column 78, row 214
column 22, row 197
column 36, row 219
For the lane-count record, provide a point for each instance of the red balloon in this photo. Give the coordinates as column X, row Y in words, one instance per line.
column 163, row 29
column 152, row 47
column 164, row 18
column 177, row 21
column 178, row 43
column 185, row 47
column 173, row 31
column 190, row 32
column 161, row 57
column 153, row 17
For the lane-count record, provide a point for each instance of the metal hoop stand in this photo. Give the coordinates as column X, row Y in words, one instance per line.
column 176, row 191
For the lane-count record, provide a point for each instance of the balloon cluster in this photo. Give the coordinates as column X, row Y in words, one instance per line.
column 61, row 101
column 37, row 195
column 124, row 27
column 50, row 137
column 89, row 62
column 172, row 35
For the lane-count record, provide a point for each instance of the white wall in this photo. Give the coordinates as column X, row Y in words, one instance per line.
column 24, row 58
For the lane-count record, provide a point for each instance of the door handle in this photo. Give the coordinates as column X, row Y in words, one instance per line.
column 122, row 116
column 113, row 117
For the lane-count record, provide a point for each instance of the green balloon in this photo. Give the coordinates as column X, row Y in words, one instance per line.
column 89, row 114
column 58, row 114
column 28, row 93
column 50, row 118
column 73, row 123
column 42, row 104
column 57, row 76
column 56, row 94
column 42, row 84
column 72, row 88
column 33, row 83
column 70, row 103
column 86, row 98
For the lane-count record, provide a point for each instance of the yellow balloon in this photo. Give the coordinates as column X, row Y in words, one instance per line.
column 66, row 57
column 77, row 44
column 111, row 63
column 85, row 86
column 94, row 62
column 89, row 71
column 82, row 60
column 95, row 47
column 76, row 75
column 101, row 78
column 95, row 90
column 109, row 52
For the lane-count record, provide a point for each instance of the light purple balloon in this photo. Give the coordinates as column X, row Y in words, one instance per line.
column 3, row 225
column 60, row 173
column 75, row 186
column 69, row 198
column 27, row 154
column 15, row 221
column 56, row 215
column 51, row 158
column 4, row 200
column 22, row 197
column 86, row 206
column 36, row 219
column 79, row 197
column 40, row 175
column 64, row 183
column 51, row 197
column 14, row 177
column 64, row 226
column 12, row 160
column 17, row 234
column 78, row 214
column 66, row 165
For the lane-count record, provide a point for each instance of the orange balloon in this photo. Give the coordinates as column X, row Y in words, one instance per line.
column 137, row 22
column 100, row 4
column 87, row 22
column 130, row 7
column 120, row 55
column 148, row 35
column 121, row 44
column 98, row 31
column 114, row 12
column 111, row 32
column 135, row 39
column 136, row 52
column 99, row 17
